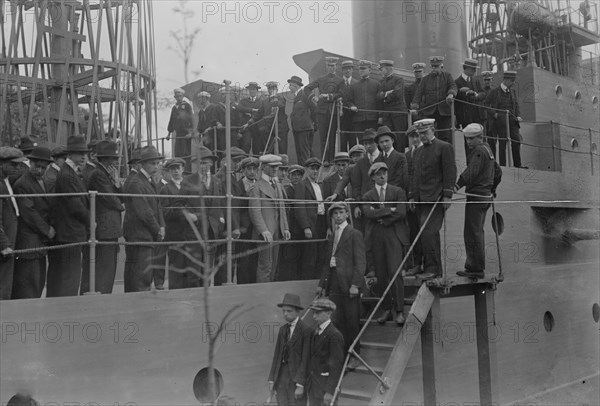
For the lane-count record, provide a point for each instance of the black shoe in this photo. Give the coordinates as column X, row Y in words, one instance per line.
column 400, row 318
column 471, row 274
column 386, row 316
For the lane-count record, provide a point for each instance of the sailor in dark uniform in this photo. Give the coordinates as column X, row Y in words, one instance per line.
column 302, row 119
column 410, row 90
column 181, row 123
column 347, row 137
column 392, row 96
column 486, row 118
column 363, row 100
column 479, row 178
column 59, row 154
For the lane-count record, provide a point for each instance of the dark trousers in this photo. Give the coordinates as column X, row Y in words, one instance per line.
column 159, row 263
column 416, row 256
column 286, row 389
column 7, row 267
column 443, row 125
column 64, row 272
column 397, row 122
column 473, row 233
column 515, row 144
column 290, row 255
column 346, row 317
column 179, row 276
column 106, row 268
column 29, row 278
column 312, row 258
column 430, row 238
column 348, row 139
column 138, row 272
column 183, row 149
column 325, row 133
column 316, row 391
column 387, row 257
column 303, row 141
column 247, row 139
column 246, row 264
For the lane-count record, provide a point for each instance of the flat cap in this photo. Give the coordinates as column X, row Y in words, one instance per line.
column 331, row 60
column 312, row 162
column 250, row 161
column 384, row 130
column 473, row 130
column 364, row 64
column 296, row 168
column 418, row 66
column 341, row 157
column 412, row 131
column 470, row 63
column 285, row 160
column 357, row 149
column 376, row 167
column 337, row 205
column 348, row 64
column 11, row 154
column 369, row 135
column 204, row 94
column 424, row 124
column 253, row 84
column 488, row 74
column 386, row 62
column 270, row 159
column 436, row 60
column 510, row 74
column 322, row 305
column 271, row 84
column 174, row 162
column 237, row 153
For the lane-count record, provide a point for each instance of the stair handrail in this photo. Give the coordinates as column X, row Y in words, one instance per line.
column 351, row 351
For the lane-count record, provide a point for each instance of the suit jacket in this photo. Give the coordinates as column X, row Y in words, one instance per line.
column 266, row 113
column 466, row 113
column 267, row 214
column 108, row 208
column 395, row 100
column 499, row 99
column 434, row 172
column 203, row 119
column 246, row 107
column 410, row 90
column 192, row 185
column 50, row 177
column 298, row 353
column 358, row 178
column 295, row 230
column 87, row 171
column 143, row 215
column 326, row 360
column 34, row 219
column 364, row 95
column 330, row 87
column 433, row 89
column 244, row 223
column 329, row 185
column 70, row 214
column 303, row 113
column 220, row 189
column 8, row 220
column 394, row 221
column 397, row 168
column 306, row 213
column 181, row 118
column 350, row 262
column 176, row 226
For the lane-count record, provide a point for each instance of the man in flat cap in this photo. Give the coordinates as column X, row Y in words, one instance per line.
column 246, row 108
column 504, row 98
column 302, row 119
column 342, row 163
column 392, row 97
column 435, row 88
column 181, row 124
column 388, row 235
column 263, row 120
column 312, row 219
column 347, row 137
column 326, row 358
column 470, row 91
column 480, row 179
column 328, row 93
column 434, row 173
column 290, row 253
column 288, row 377
column 268, row 216
column 410, row 90
column 246, row 265
column 363, row 100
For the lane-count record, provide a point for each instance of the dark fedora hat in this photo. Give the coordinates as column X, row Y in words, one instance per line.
column 150, row 153
column 290, row 299
column 77, row 143
column 135, row 156
column 26, row 145
column 59, row 152
column 203, row 153
column 107, row 149
column 296, row 80
column 41, row 153
column 384, row 130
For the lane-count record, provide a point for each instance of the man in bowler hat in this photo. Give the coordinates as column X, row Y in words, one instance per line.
column 302, row 119
column 290, row 360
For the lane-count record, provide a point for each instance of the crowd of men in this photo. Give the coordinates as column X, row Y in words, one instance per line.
column 362, row 102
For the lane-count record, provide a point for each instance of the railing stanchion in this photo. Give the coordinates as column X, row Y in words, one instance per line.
column 93, row 242
column 508, row 140
column 228, row 173
column 452, row 123
column 553, row 146
column 591, row 152
column 276, row 121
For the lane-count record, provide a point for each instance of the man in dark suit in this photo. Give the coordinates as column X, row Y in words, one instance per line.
column 434, row 176
column 181, row 123
column 434, row 88
column 469, row 91
column 363, row 100
column 59, row 154
column 290, row 253
column 302, row 118
column 103, row 179
column 392, row 97
column 388, row 235
column 10, row 160
column 410, row 90
column 71, row 219
column 216, row 116
column 329, row 91
column 329, row 184
column 395, row 161
column 203, row 106
column 415, row 262
column 290, row 360
column 485, row 118
column 34, row 230
column 247, row 108
column 343, row 276
column 504, row 97
column 347, row 137
column 144, row 222
column 326, row 355
column 312, row 219
column 246, row 265
column 263, row 119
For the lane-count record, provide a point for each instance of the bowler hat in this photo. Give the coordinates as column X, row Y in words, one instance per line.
column 26, row 145
column 41, row 153
column 357, row 149
column 296, row 80
column 107, row 149
column 174, row 162
column 312, row 162
column 11, row 154
column 369, row 135
column 150, row 153
column 337, row 205
column 135, row 156
column 253, row 84
column 376, row 167
column 296, row 168
column 322, row 305
column 384, row 130
column 290, row 299
column 341, row 157
column 59, row 152
column 76, row 143
column 510, row 74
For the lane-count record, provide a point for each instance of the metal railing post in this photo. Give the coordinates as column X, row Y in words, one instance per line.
column 228, row 174
column 93, row 242
column 553, row 146
column 591, row 152
column 509, row 161
column 338, row 131
column 276, row 121
column 452, row 121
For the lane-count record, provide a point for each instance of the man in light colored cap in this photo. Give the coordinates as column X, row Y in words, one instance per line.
column 329, row 91
column 469, row 91
column 504, row 98
column 204, row 107
column 327, row 344
column 181, row 126
column 347, row 139
column 264, row 117
column 268, row 216
column 435, row 157
column 356, row 153
column 387, row 235
column 410, row 90
column 246, row 109
column 363, row 100
column 436, row 87
column 341, row 162
column 392, row 97
column 480, row 179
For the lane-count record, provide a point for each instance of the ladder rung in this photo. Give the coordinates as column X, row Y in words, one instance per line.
column 376, row 346
column 355, row 394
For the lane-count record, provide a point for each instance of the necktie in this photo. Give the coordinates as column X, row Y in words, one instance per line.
column 286, row 336
column 382, row 194
column 287, row 332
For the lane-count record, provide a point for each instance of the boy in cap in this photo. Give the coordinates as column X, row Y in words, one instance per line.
column 290, row 360
column 341, row 162
column 343, row 276
column 326, row 354
column 181, row 123
column 387, row 234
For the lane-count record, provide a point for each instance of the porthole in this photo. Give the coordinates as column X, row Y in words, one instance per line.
column 201, row 386
column 558, row 91
column 577, row 95
column 548, row 321
column 574, row 144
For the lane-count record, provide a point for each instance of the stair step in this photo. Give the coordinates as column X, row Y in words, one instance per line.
column 374, row 299
column 374, row 322
column 376, row 346
column 355, row 394
column 363, row 370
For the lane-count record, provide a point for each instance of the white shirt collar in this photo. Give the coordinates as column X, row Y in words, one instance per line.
column 146, row 174
column 504, row 87
column 268, row 178
column 323, row 326
column 342, row 226
column 465, row 77
column 69, row 162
